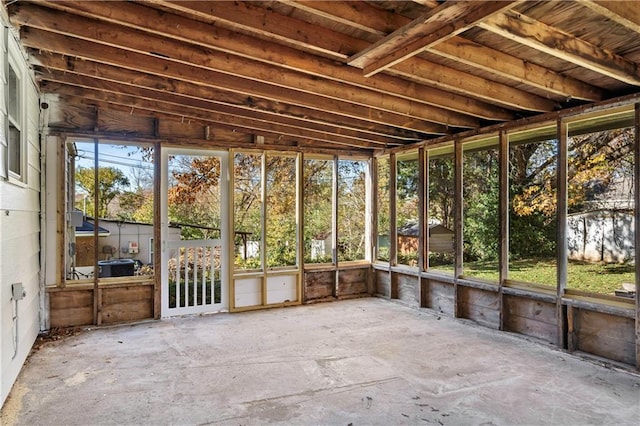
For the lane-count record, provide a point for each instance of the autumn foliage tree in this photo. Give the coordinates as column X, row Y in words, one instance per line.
column 595, row 161
column 111, row 183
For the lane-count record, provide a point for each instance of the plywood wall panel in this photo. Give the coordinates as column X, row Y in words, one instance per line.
column 408, row 289
column 124, row 304
column 530, row 317
column 352, row 282
column 383, row 283
column 605, row 335
column 440, row 297
column 318, row 285
column 480, row 306
column 71, row 308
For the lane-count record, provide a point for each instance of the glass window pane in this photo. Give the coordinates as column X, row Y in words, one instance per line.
column 247, row 210
column 14, row 99
column 351, row 209
column 14, row 150
column 382, row 210
column 532, row 212
column 601, row 207
column 407, row 209
column 480, row 212
column 123, row 214
column 318, row 196
column 441, row 212
column 281, row 220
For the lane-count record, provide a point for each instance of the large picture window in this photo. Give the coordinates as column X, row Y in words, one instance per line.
column 441, row 210
column 407, row 208
column 382, row 209
column 533, row 206
column 281, row 211
column 318, row 210
column 247, row 210
column 600, row 208
column 480, row 216
column 110, row 191
column 352, row 209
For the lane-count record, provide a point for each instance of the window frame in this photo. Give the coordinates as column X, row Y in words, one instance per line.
column 366, row 259
column 12, row 65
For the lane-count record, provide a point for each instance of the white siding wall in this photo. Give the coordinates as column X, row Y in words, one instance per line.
column 19, row 232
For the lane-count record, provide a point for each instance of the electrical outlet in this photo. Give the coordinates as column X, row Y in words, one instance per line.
column 17, row 291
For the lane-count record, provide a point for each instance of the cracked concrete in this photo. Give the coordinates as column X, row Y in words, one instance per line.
column 363, row 361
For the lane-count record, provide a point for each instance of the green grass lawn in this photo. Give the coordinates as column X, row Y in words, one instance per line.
column 590, row 277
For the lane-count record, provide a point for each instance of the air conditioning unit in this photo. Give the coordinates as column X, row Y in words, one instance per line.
column 116, row 268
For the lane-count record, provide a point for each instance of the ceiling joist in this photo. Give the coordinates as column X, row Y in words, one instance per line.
column 557, row 43
column 439, row 24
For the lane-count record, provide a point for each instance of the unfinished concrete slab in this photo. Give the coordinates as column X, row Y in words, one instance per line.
column 363, row 361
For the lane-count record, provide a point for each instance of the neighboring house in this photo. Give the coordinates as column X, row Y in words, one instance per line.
column 21, row 298
column 601, row 235
column 440, row 238
column 118, row 239
column 604, row 230
column 322, row 246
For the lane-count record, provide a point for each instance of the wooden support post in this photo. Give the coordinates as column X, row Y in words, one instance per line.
column 561, row 236
column 96, row 203
column 424, row 209
column 459, row 231
column 334, row 224
column 423, row 225
column 374, row 222
column 263, row 226
column 369, row 208
column 61, row 223
column 393, row 226
column 230, row 223
column 636, row 173
column 504, row 218
column 300, row 225
column 157, row 236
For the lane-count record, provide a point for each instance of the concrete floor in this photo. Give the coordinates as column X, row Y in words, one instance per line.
column 364, row 361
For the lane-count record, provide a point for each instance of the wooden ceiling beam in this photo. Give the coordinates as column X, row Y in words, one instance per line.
column 258, row 117
column 349, row 12
column 190, row 31
column 243, row 124
column 65, row 45
column 481, row 57
column 277, row 111
column 176, row 131
column 264, row 23
column 306, row 37
column 625, row 13
column 439, row 24
column 427, row 72
column 552, row 41
column 177, row 51
column 517, row 70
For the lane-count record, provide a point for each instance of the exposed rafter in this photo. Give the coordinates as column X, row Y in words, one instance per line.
column 557, row 43
column 439, row 24
column 476, row 55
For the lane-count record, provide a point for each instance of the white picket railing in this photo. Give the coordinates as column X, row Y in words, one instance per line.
column 194, row 276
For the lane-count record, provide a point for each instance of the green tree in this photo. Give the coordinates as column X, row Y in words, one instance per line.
column 318, row 206
column 111, row 182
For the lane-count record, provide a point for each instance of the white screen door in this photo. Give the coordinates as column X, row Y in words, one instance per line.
column 195, row 232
